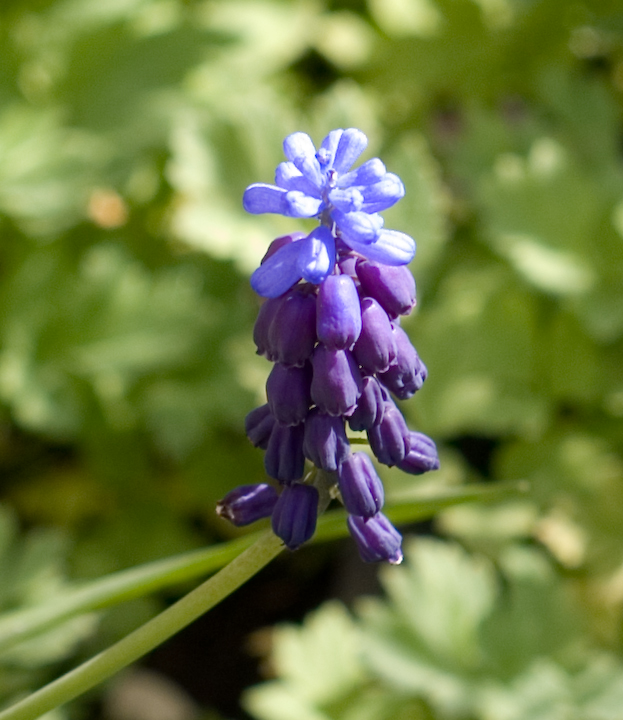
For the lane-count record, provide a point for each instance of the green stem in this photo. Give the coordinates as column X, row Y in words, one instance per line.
column 150, row 635
column 19, row 625
column 116, row 588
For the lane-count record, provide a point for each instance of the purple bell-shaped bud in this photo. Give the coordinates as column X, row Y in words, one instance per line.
column 360, row 486
column 247, row 503
column 375, row 350
column 377, row 539
column 390, row 439
column 370, row 405
column 338, row 317
column 292, row 332
column 422, row 455
column 407, row 373
column 258, row 425
column 295, row 513
column 336, row 382
column 284, row 459
column 288, row 393
column 393, row 287
column 325, row 444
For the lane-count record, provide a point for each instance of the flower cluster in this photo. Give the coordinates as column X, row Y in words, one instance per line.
column 331, row 327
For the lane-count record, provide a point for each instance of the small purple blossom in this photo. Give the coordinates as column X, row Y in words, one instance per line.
column 247, row 503
column 390, row 438
column 284, row 460
column 422, row 456
column 370, row 405
column 330, row 326
column 360, row 486
column 325, row 443
column 338, row 319
column 336, row 382
column 287, row 390
column 377, row 539
column 295, row 513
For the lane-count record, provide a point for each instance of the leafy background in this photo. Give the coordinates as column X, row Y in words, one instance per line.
column 128, row 131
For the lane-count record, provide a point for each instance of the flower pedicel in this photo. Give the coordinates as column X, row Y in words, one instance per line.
column 331, row 326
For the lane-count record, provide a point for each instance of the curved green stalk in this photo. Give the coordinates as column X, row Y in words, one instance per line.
column 149, row 635
column 19, row 625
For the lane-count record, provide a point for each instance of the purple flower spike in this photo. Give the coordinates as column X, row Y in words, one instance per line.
column 360, row 486
column 393, row 287
column 292, row 330
column 325, row 444
column 259, row 425
column 247, row 503
column 376, row 348
column 338, row 318
column 330, row 326
column 336, row 382
column 407, row 374
column 422, row 455
column 390, row 439
column 287, row 390
column 294, row 516
column 284, row 459
column 377, row 539
column 370, row 406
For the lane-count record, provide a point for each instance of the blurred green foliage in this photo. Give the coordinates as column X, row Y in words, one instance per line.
column 128, row 131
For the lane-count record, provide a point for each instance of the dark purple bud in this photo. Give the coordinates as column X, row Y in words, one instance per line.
column 279, row 242
column 292, row 333
column 284, row 459
column 422, row 455
column 258, row 425
column 294, row 516
column 370, row 406
column 325, row 444
column 288, row 393
column 261, row 329
column 389, row 439
column 360, row 486
column 338, row 318
column 393, row 287
column 376, row 348
column 247, row 503
column 407, row 373
column 336, row 382
column 377, row 539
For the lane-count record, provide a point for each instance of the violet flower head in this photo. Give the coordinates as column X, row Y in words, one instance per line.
column 329, row 323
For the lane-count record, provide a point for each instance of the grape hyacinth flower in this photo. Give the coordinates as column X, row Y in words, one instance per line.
column 330, row 323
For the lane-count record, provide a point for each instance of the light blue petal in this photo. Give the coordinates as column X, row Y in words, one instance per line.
column 261, row 198
column 347, row 200
column 289, row 177
column 370, row 172
column 277, row 274
column 300, row 150
column 301, row 205
column 357, row 226
column 326, row 152
column 317, row 257
column 383, row 194
column 390, row 248
column 352, row 143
